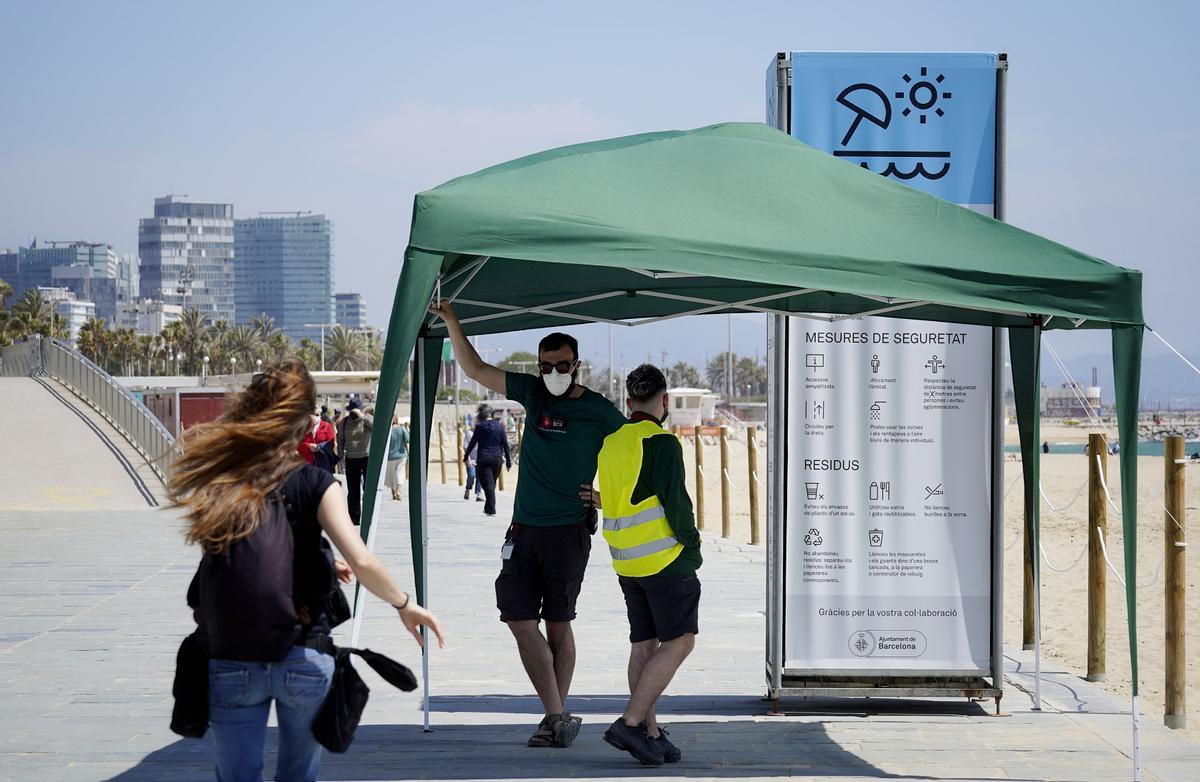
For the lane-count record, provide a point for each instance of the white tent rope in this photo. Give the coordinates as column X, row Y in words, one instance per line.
column 1173, row 350
column 1104, row 549
column 1078, row 492
column 1071, row 566
column 1107, row 433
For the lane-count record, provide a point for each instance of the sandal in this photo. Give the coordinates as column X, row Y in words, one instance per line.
column 556, row 730
column 544, row 735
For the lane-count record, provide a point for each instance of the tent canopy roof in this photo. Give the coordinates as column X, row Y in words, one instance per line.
column 735, row 217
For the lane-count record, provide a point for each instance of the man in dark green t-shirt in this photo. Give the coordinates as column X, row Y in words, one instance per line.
column 546, row 549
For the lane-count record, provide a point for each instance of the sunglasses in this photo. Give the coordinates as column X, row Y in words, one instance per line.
column 563, row 367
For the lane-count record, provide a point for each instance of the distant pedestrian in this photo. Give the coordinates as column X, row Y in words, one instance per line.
column 1046, row 447
column 473, row 476
column 319, row 432
column 397, row 456
column 354, row 445
column 264, row 595
column 491, row 441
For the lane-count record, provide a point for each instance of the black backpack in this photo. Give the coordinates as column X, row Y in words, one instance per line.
column 244, row 593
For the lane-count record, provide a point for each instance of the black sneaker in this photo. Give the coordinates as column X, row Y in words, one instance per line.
column 671, row 753
column 478, row 498
column 635, row 741
column 467, row 494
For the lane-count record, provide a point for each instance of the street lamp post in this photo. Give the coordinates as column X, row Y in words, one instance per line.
column 204, row 371
column 322, row 327
column 233, row 364
column 258, row 365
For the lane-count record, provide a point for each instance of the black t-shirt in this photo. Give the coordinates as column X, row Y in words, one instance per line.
column 303, row 490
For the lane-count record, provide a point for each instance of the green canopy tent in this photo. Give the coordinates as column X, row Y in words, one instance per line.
column 736, row 218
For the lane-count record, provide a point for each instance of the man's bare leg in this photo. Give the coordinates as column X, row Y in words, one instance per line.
column 656, row 674
column 538, row 659
column 561, row 641
column 639, row 654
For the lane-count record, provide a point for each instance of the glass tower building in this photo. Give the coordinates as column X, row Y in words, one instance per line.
column 284, row 269
column 186, row 253
column 351, row 310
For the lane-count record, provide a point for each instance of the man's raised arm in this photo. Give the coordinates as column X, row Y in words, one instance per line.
column 475, row 368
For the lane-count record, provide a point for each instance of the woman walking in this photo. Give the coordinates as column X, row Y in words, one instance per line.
column 491, row 441
column 397, row 456
column 248, row 497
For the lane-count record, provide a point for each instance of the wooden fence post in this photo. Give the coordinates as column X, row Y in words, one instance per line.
column 752, row 457
column 725, row 487
column 1097, row 532
column 1175, row 703
column 458, row 453
column 442, row 451
column 699, row 478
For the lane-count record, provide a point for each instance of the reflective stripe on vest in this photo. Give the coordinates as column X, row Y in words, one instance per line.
column 653, row 547
column 639, row 537
column 641, row 517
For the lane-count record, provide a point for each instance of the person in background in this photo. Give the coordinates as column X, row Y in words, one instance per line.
column 319, row 431
column 354, row 445
column 226, row 480
column 473, row 476
column 490, row 441
column 651, row 533
column 397, row 456
column 546, row 548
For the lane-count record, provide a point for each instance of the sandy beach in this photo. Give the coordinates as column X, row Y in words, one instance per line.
column 1064, row 539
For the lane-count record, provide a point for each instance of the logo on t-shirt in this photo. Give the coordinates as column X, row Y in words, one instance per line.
column 551, row 423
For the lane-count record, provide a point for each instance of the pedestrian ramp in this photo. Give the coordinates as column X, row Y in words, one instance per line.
column 62, row 455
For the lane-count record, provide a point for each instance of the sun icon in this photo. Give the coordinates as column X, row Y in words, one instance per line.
column 923, row 95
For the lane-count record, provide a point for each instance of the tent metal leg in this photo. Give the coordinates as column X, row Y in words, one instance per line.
column 423, row 459
column 360, row 601
column 1137, row 740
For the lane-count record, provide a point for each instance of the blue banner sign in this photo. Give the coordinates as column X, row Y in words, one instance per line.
column 928, row 120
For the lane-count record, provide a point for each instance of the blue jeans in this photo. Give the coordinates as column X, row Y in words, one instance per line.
column 239, row 701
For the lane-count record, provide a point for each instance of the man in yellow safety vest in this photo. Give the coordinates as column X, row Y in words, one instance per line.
column 651, row 534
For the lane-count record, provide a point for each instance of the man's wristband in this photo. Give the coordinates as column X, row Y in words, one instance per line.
column 403, row 605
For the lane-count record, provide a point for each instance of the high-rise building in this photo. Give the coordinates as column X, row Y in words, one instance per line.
column 87, row 269
column 186, row 253
column 351, row 310
column 283, row 267
column 73, row 311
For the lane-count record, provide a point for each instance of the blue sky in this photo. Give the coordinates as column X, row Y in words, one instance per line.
column 349, row 109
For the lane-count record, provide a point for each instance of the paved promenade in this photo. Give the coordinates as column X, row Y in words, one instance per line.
column 93, row 608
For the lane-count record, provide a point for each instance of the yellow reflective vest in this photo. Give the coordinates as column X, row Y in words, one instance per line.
column 639, row 537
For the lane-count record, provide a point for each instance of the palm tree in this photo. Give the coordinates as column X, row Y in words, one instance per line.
column 279, row 347
column 310, row 353
column 6, row 290
column 125, row 345
column 34, row 314
column 92, row 340
column 345, row 349
column 147, row 349
column 245, row 344
column 192, row 334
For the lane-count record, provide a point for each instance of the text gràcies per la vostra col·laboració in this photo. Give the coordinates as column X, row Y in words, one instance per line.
column 888, row 338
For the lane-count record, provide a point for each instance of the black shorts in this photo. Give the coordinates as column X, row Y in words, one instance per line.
column 662, row 607
column 541, row 579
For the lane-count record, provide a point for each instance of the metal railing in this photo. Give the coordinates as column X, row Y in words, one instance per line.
column 21, row 359
column 111, row 400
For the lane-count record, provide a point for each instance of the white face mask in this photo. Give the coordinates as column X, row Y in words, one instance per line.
column 557, row 383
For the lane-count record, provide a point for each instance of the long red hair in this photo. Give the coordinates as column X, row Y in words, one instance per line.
column 230, row 465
